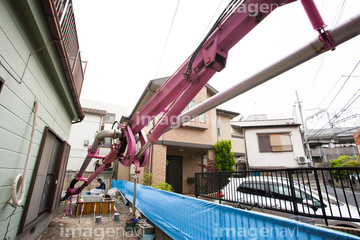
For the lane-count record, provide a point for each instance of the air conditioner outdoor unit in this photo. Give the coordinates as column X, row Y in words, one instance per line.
column 301, row 160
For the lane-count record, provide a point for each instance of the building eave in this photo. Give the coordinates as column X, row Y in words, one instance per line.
column 54, row 24
column 151, row 88
column 226, row 112
column 272, row 123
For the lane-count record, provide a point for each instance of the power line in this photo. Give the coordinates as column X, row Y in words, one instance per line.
column 343, row 108
column 230, row 7
column 337, row 115
column 202, row 36
column 343, row 85
column 340, row 12
column 336, row 96
column 318, row 70
column 334, row 87
column 167, row 39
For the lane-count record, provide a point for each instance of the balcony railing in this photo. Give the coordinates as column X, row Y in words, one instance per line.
column 65, row 14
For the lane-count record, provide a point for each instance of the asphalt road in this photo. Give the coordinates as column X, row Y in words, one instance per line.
column 345, row 195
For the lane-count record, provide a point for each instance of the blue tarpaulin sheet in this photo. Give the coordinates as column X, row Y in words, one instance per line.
column 183, row 217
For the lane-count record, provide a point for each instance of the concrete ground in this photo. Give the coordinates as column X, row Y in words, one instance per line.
column 72, row 227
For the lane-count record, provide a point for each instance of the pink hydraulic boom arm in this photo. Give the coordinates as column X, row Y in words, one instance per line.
column 210, row 57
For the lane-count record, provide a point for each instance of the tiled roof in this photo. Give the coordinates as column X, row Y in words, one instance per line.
column 92, row 110
column 265, row 123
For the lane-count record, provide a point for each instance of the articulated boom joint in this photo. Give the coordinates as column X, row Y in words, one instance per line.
column 325, row 37
column 131, row 156
column 318, row 24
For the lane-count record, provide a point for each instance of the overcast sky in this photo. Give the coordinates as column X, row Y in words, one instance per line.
column 123, row 42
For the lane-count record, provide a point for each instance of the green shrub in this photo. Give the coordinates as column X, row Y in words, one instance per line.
column 344, row 161
column 224, row 160
column 147, row 179
column 163, row 186
column 190, row 180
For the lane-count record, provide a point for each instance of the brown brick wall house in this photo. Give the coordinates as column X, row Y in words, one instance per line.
column 177, row 154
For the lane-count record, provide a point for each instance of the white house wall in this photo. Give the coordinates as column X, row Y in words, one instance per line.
column 86, row 130
column 119, row 110
column 273, row 159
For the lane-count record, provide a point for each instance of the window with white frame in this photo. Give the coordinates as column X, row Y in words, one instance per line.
column 218, row 126
column 274, row 142
column 204, row 162
column 110, row 118
column 191, row 105
column 202, row 118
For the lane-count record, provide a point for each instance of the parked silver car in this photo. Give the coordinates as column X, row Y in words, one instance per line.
column 261, row 193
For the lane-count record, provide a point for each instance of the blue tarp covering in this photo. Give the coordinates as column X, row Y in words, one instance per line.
column 183, row 217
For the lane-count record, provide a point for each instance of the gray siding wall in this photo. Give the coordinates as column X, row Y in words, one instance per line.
column 43, row 79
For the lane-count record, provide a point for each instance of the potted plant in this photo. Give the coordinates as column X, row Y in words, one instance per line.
column 191, row 181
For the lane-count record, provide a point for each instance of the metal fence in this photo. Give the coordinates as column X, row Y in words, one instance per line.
column 330, row 194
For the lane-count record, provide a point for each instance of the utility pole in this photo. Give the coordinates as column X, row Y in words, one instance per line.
column 305, row 131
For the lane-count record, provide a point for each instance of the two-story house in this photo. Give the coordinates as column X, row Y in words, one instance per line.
column 272, row 143
column 41, row 77
column 179, row 153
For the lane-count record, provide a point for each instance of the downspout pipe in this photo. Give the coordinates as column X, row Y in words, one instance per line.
column 21, row 178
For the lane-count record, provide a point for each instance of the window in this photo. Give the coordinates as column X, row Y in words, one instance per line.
column 218, row 126
column 275, row 142
column 204, row 162
column 191, row 105
column 107, row 142
column 202, row 117
column 254, row 188
column 47, row 179
column 110, row 117
column 283, row 192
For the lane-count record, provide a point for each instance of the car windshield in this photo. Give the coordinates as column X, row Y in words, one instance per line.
column 277, row 190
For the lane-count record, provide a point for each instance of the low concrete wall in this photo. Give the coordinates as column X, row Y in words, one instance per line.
column 347, row 183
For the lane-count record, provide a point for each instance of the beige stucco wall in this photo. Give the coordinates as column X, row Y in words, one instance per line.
column 225, row 127
column 238, row 145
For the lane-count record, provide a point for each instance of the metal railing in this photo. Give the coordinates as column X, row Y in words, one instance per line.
column 66, row 19
column 324, row 193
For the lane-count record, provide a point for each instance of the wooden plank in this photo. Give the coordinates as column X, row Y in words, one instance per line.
column 101, row 207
